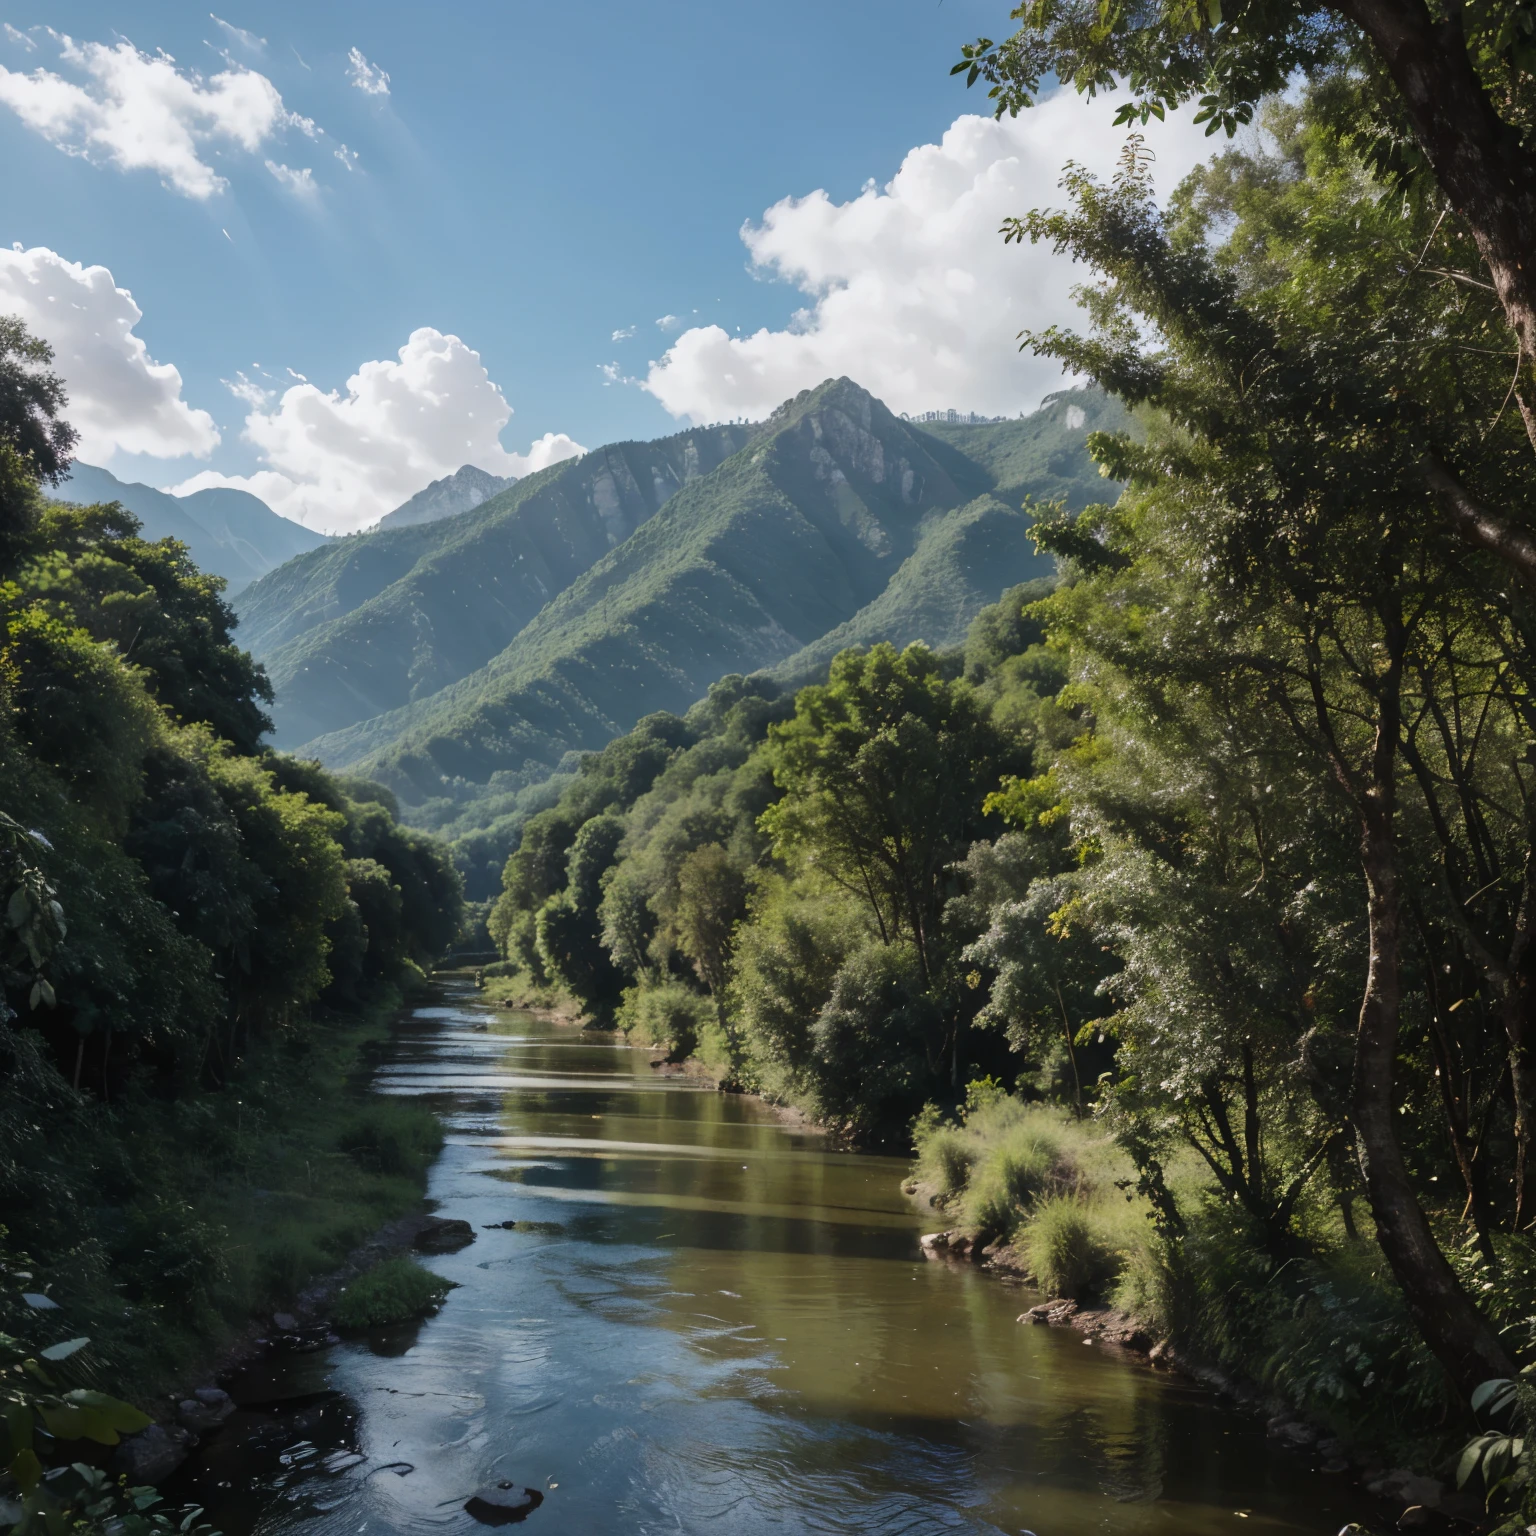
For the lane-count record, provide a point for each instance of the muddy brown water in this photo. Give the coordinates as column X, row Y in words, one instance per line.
column 700, row 1320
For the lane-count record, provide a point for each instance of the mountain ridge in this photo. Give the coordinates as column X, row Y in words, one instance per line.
column 229, row 532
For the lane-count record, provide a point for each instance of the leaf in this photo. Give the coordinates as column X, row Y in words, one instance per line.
column 84, row 1415
column 19, row 1426
column 46, row 988
column 27, row 1470
column 39, row 1302
column 64, row 1350
column 19, row 908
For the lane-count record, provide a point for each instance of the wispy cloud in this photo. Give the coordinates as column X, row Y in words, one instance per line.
column 300, row 182
column 368, row 78
column 348, row 157
column 668, row 323
column 20, row 38
column 247, row 40
column 624, row 333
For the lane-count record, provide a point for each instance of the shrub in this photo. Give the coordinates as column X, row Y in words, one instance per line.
column 393, row 1136
column 1072, row 1249
column 669, row 1015
column 391, row 1292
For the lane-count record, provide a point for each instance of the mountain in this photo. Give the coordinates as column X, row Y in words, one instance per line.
column 835, row 519
column 462, row 491
column 372, row 622
column 962, row 563
column 229, row 533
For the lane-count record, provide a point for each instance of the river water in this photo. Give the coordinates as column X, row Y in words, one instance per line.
column 704, row 1321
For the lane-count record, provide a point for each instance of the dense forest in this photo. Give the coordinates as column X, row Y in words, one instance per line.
column 196, row 935
column 1198, row 885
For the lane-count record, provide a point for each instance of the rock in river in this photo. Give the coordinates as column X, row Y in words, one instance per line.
column 206, row 1409
column 440, row 1234
column 503, row 1504
column 153, row 1454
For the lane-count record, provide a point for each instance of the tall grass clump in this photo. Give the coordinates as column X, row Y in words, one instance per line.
column 1073, row 1248
column 1014, row 1171
column 391, row 1292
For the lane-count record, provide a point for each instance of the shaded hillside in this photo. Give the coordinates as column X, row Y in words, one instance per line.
column 462, row 491
column 961, row 564
column 388, row 617
column 229, row 533
column 789, row 539
column 1041, row 455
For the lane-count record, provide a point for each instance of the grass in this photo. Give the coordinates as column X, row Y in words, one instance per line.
column 1032, row 1176
column 507, row 985
column 391, row 1292
column 221, row 1208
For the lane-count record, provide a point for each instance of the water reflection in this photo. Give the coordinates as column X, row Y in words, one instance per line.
column 678, row 1313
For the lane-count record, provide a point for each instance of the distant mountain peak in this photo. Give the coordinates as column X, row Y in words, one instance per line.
column 462, row 491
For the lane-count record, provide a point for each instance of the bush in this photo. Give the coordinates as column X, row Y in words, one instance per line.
column 669, row 1015
column 392, row 1136
column 391, row 1292
column 1072, row 1249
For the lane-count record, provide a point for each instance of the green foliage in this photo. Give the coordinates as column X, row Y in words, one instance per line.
column 1070, row 1251
column 392, row 1136
column 171, row 899
column 668, row 1015
column 392, row 1292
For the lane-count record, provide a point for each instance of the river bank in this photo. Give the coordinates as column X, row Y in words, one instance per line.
column 677, row 1310
column 257, row 1191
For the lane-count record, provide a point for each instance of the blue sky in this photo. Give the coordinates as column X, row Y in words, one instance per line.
column 533, row 180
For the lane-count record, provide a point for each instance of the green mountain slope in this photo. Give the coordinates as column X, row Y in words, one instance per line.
column 230, row 533
column 384, row 618
column 961, row 564
column 794, row 536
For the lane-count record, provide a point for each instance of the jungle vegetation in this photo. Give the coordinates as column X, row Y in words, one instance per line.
column 1198, row 886
column 196, row 937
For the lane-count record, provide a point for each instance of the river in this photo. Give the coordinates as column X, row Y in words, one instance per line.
column 702, row 1320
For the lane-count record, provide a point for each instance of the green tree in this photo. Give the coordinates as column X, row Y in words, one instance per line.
column 1446, row 92
column 883, row 773
column 1322, row 572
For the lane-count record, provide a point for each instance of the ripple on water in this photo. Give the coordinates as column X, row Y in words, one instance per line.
column 680, row 1316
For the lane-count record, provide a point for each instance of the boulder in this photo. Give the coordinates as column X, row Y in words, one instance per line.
column 206, row 1409
column 1292, row 1432
column 441, row 1234
column 152, row 1454
column 1406, row 1488
column 503, row 1504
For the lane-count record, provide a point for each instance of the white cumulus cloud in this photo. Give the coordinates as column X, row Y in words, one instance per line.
column 138, row 111
column 368, row 78
column 911, row 290
column 339, row 460
column 120, row 398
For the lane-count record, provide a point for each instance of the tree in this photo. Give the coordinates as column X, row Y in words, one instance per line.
column 1451, row 90
column 35, row 441
column 883, row 772
column 1284, row 470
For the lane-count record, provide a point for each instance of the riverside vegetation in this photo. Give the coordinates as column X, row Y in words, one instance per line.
column 199, row 939
column 1183, row 915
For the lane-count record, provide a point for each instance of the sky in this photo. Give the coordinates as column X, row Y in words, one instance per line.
column 330, row 253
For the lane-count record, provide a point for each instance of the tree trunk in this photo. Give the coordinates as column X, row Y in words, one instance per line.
column 1458, row 1334
column 1485, row 172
